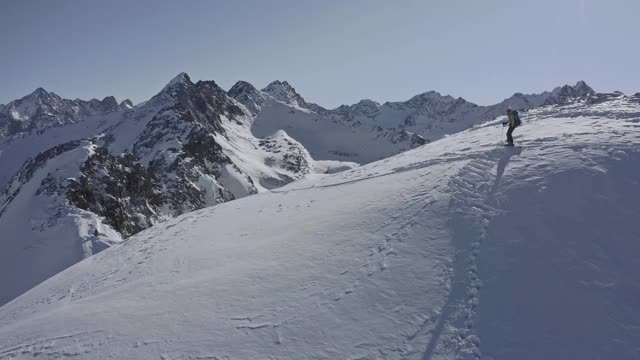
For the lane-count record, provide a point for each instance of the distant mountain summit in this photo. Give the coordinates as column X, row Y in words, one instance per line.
column 249, row 96
column 42, row 109
column 565, row 93
column 557, row 96
column 432, row 115
column 364, row 108
column 282, row 91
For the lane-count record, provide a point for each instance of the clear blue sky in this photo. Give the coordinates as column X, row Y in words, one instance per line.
column 332, row 51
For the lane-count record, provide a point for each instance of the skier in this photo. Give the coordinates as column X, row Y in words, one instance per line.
column 513, row 122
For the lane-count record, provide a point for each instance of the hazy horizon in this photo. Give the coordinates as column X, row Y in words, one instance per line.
column 332, row 52
column 120, row 99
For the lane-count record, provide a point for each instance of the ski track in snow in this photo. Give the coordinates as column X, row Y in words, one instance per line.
column 55, row 347
column 470, row 212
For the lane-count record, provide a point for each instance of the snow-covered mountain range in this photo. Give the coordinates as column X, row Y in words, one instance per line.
column 42, row 109
column 74, row 189
column 432, row 115
column 78, row 177
column 324, row 135
column 329, row 134
column 458, row 249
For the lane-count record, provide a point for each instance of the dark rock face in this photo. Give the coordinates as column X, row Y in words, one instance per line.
column 193, row 120
column 201, row 155
column 203, row 147
column 109, row 104
column 120, row 189
column 566, row 93
column 248, row 95
column 173, row 166
column 294, row 156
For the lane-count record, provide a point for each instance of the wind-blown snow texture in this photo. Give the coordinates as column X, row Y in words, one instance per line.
column 460, row 249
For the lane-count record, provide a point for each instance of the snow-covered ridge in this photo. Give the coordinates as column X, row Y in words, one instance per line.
column 42, row 109
column 429, row 115
column 459, row 249
column 432, row 115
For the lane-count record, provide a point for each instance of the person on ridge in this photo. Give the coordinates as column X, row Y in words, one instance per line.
column 513, row 120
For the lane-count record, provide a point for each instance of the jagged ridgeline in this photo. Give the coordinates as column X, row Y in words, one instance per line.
column 42, row 109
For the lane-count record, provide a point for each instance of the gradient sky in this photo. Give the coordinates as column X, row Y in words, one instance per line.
column 332, row 51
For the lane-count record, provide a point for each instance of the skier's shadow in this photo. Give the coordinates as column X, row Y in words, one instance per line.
column 505, row 157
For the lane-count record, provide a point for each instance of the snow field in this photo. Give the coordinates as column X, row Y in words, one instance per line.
column 460, row 249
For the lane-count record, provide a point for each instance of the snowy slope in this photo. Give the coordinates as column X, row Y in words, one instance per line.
column 459, row 249
column 188, row 147
column 42, row 234
column 38, row 222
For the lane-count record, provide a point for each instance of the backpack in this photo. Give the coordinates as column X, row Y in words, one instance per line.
column 516, row 118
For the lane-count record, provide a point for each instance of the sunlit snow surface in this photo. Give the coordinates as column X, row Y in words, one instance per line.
column 460, row 249
column 39, row 226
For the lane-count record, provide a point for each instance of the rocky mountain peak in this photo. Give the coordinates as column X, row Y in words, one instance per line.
column 179, row 80
column 126, row 104
column 433, row 103
column 110, row 103
column 183, row 77
column 284, row 92
column 367, row 103
column 364, row 107
column 39, row 92
column 242, row 87
column 248, row 95
column 562, row 94
column 582, row 87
